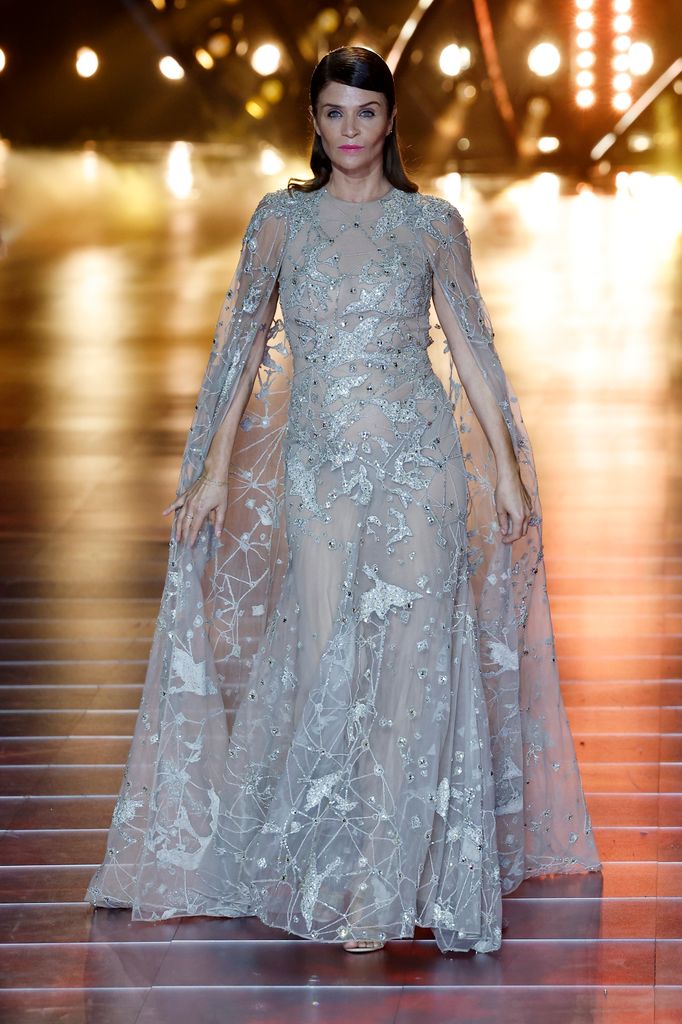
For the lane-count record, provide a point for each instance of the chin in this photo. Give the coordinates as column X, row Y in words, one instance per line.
column 349, row 165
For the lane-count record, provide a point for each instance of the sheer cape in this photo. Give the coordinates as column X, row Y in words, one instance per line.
column 165, row 816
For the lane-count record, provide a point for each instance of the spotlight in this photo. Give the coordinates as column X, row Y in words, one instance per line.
column 87, row 62
column 640, row 58
column 266, row 58
column 454, row 59
column 169, row 68
column 544, row 59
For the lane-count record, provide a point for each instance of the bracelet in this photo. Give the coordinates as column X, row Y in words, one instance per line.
column 221, row 483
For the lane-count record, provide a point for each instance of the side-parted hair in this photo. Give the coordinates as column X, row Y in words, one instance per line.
column 361, row 68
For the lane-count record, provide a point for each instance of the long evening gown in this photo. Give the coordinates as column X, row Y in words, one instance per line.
column 399, row 752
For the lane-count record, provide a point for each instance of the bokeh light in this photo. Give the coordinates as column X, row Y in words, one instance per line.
column 270, row 162
column 585, row 98
column 169, row 68
column 87, row 62
column 179, row 175
column 266, row 58
column 219, row 44
column 256, row 108
column 622, row 23
column 621, row 101
column 454, row 59
column 544, row 59
column 204, row 58
column 640, row 58
column 272, row 90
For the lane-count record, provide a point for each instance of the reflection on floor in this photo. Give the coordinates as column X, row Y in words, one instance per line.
column 106, row 321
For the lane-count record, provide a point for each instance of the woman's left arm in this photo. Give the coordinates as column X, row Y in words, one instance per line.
column 512, row 501
column 465, row 321
column 482, row 400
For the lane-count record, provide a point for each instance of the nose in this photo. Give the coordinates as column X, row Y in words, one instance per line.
column 350, row 129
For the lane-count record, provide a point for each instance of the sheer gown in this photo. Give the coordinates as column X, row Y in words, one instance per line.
column 351, row 721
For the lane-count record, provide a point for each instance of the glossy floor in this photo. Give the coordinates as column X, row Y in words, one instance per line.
column 109, row 286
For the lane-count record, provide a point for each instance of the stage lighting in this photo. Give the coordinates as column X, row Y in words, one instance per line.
column 169, row 68
column 622, row 23
column 87, row 62
column 640, row 58
column 544, row 59
column 621, row 101
column 204, row 58
column 622, row 82
column 266, row 58
column 454, row 59
column 270, row 161
column 256, row 107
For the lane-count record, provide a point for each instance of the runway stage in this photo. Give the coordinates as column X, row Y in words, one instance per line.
column 110, row 283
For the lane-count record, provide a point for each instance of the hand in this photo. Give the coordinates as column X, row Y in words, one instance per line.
column 514, row 505
column 204, row 498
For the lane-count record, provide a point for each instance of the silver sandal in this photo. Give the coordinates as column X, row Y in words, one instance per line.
column 370, row 947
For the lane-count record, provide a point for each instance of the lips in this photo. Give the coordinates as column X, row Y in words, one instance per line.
column 350, row 147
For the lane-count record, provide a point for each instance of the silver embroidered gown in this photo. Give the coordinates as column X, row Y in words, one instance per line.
column 351, row 721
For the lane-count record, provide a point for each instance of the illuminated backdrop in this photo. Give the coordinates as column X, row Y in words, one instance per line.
column 483, row 85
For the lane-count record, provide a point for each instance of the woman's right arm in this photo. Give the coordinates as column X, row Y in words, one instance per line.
column 219, row 453
column 208, row 495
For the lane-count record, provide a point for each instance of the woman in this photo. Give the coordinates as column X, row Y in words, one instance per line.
column 370, row 585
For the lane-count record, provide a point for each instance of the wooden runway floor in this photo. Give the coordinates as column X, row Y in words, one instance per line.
column 107, row 307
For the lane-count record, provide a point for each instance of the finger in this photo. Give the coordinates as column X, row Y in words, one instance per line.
column 175, row 527
column 189, row 524
column 220, row 518
column 195, row 528
column 191, row 518
column 517, row 531
column 512, row 533
column 184, row 525
column 178, row 503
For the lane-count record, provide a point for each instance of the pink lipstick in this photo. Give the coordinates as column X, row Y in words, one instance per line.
column 351, row 147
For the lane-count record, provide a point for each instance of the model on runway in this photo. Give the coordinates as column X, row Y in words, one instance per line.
column 369, row 581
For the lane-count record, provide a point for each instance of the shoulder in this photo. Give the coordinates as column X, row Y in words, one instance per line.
column 280, row 205
column 282, row 201
column 272, row 204
column 430, row 217
column 435, row 212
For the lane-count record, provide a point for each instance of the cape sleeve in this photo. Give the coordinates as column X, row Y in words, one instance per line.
column 239, row 337
column 513, row 625
column 160, row 858
column 466, row 320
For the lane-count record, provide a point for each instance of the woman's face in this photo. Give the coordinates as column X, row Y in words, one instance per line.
column 352, row 124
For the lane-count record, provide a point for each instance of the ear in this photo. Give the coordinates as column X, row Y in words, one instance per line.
column 312, row 118
column 392, row 124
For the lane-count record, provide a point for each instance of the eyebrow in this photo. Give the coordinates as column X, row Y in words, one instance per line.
column 370, row 103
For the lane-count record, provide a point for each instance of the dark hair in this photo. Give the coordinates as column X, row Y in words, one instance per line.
column 364, row 69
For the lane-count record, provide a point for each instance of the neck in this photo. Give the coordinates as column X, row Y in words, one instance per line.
column 360, row 187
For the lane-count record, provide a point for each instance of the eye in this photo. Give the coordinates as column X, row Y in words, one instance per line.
column 368, row 111
column 330, row 113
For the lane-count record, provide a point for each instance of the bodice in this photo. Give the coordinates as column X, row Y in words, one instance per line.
column 355, row 288
column 355, row 283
